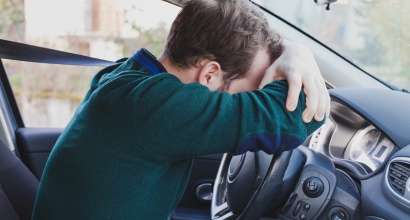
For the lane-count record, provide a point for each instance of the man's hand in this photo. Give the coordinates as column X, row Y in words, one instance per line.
column 298, row 66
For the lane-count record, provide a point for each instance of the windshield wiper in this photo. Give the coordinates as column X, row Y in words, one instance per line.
column 405, row 90
column 395, row 88
column 324, row 2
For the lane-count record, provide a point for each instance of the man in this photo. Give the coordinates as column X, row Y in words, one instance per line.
column 127, row 153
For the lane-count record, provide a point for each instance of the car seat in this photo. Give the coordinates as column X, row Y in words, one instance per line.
column 18, row 187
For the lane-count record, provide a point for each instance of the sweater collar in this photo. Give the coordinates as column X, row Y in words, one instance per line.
column 149, row 61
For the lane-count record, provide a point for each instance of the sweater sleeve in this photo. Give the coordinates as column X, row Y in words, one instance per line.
column 175, row 120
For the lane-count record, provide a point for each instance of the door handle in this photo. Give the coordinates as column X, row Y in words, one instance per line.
column 204, row 193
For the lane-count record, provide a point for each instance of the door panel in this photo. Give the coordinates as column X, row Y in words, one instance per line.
column 203, row 173
column 35, row 145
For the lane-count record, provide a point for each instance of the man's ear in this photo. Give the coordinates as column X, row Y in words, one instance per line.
column 211, row 75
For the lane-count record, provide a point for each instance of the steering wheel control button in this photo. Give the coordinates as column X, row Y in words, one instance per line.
column 338, row 213
column 313, row 187
column 338, row 216
column 286, row 208
column 292, row 197
column 302, row 216
column 306, row 207
column 290, row 202
column 297, row 208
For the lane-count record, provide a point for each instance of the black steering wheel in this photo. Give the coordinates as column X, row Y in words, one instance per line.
column 246, row 184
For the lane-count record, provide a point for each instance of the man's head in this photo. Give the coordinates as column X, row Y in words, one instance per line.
column 220, row 39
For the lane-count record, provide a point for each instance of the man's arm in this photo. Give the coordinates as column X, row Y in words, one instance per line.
column 298, row 66
column 177, row 120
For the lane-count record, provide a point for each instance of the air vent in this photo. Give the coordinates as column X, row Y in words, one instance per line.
column 399, row 173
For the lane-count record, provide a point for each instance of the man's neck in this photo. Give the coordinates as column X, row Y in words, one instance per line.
column 164, row 60
column 186, row 76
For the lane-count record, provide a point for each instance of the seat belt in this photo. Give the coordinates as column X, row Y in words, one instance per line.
column 25, row 52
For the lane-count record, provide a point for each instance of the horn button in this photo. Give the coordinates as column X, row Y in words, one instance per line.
column 244, row 176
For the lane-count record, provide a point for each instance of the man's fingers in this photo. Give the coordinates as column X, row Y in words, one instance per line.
column 295, row 85
column 327, row 108
column 298, row 66
column 321, row 108
column 312, row 99
column 323, row 100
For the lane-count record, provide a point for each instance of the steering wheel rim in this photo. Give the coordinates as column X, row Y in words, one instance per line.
column 265, row 186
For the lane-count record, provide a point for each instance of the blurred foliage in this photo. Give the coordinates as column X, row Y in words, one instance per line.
column 152, row 39
column 387, row 41
column 56, row 80
column 38, row 87
column 12, row 19
column 388, row 47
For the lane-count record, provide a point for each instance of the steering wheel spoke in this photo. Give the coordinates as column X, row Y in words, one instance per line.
column 246, row 183
column 222, row 212
column 262, row 161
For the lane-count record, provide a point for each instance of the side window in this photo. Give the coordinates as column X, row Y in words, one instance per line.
column 47, row 94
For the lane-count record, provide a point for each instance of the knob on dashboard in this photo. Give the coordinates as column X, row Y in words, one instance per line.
column 338, row 213
column 313, row 187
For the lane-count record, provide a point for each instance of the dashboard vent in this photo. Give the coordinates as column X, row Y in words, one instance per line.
column 399, row 173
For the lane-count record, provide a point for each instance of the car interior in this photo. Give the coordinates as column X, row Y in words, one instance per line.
column 356, row 166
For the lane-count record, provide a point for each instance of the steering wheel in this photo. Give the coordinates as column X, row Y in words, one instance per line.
column 246, row 184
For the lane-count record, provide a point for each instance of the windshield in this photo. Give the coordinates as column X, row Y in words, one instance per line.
column 373, row 34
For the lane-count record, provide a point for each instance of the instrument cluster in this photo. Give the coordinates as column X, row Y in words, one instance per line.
column 347, row 136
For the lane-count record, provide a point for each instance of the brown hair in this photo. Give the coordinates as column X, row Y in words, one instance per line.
column 230, row 32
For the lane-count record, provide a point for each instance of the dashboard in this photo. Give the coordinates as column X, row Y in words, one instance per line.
column 367, row 137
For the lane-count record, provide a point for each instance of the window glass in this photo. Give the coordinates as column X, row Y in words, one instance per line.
column 373, row 34
column 48, row 94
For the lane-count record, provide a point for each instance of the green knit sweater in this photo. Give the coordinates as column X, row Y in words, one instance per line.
column 127, row 152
